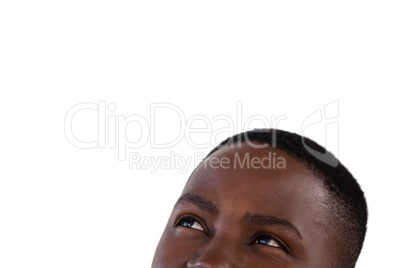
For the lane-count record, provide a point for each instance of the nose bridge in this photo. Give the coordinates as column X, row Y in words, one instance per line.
column 221, row 251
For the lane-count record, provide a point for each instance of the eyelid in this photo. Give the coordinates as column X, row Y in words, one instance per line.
column 280, row 242
column 192, row 217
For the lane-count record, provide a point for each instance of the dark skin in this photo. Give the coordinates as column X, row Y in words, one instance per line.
column 249, row 217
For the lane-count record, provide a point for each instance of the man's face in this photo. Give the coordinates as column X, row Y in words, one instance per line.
column 238, row 212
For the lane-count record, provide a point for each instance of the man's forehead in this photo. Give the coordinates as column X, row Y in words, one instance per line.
column 263, row 172
column 292, row 187
column 252, row 162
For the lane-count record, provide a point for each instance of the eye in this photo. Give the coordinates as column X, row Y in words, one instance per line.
column 267, row 240
column 190, row 222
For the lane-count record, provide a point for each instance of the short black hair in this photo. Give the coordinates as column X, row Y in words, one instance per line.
column 347, row 202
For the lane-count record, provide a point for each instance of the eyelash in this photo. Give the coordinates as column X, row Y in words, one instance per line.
column 260, row 236
column 181, row 220
column 266, row 236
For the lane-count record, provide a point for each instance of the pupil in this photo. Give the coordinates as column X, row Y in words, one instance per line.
column 264, row 240
column 188, row 223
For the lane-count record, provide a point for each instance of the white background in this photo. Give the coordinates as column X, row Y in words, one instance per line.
column 62, row 206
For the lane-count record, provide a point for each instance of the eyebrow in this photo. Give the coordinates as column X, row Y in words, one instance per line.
column 252, row 219
column 257, row 219
column 200, row 201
